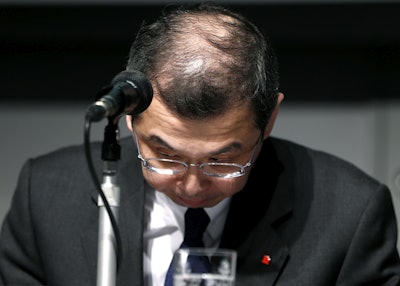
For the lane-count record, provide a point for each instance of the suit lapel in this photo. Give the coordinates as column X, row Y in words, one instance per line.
column 254, row 212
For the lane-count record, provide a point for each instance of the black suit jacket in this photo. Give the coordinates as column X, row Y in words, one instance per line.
column 320, row 220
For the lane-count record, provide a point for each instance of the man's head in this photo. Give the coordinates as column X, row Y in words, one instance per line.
column 203, row 60
column 215, row 99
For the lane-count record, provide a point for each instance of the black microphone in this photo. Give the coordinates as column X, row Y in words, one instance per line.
column 130, row 92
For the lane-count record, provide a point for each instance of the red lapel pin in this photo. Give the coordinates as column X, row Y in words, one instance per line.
column 266, row 260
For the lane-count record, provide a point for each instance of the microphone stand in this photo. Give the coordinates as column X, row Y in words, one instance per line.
column 107, row 244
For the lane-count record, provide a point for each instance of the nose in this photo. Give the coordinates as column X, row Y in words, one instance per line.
column 193, row 182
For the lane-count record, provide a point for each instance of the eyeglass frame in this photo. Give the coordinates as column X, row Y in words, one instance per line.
column 186, row 165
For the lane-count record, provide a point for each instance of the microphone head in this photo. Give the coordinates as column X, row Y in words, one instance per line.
column 143, row 88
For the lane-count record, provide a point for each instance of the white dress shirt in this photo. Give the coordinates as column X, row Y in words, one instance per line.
column 164, row 230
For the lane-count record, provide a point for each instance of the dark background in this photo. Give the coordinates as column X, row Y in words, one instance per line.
column 327, row 52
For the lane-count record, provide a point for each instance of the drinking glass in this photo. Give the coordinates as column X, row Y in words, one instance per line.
column 220, row 269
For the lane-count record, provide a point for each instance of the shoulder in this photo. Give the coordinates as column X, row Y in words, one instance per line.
column 331, row 183
column 331, row 191
column 322, row 165
column 61, row 171
column 72, row 156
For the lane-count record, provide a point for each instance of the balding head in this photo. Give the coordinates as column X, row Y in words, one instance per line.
column 205, row 60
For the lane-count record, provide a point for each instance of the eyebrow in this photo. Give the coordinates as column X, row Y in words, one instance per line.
column 229, row 148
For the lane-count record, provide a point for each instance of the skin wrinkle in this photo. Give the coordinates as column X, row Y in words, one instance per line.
column 225, row 149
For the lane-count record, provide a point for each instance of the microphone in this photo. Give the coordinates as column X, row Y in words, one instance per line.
column 130, row 92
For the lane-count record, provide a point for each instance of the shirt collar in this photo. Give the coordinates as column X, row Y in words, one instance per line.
column 217, row 214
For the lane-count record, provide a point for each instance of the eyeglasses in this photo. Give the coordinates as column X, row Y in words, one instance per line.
column 175, row 167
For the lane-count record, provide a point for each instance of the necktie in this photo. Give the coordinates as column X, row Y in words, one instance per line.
column 196, row 221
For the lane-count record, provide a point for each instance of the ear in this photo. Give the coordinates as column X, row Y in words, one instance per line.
column 128, row 119
column 271, row 122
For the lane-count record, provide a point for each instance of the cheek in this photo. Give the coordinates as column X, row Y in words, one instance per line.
column 160, row 183
column 229, row 187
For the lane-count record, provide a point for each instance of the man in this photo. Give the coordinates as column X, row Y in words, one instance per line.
column 294, row 215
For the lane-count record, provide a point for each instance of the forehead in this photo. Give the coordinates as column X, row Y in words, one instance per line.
column 235, row 125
